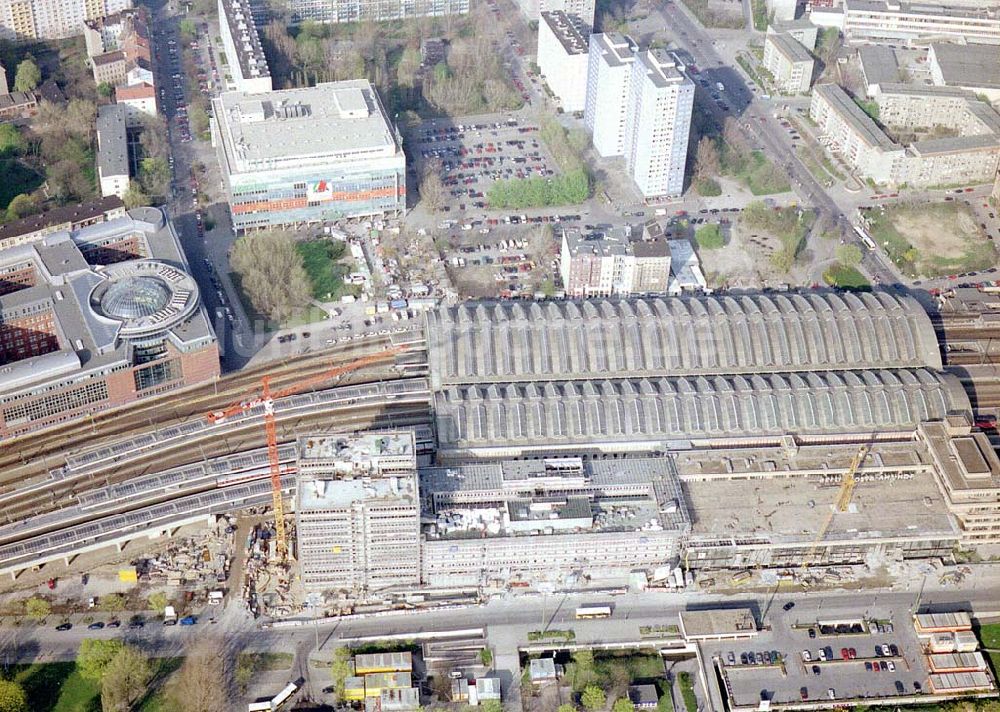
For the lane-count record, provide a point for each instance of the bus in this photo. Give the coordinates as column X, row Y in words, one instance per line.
column 593, row 612
column 865, row 238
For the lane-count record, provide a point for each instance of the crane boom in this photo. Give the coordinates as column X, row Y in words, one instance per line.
column 266, row 399
column 847, row 484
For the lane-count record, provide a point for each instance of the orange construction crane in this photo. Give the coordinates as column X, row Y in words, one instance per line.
column 847, row 484
column 267, row 398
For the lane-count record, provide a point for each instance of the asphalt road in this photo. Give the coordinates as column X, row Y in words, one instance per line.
column 767, row 133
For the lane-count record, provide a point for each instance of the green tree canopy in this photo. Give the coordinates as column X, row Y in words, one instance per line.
column 12, row 697
column 12, row 141
column 94, row 657
column 28, row 76
column 158, row 601
column 623, row 704
column 37, row 608
column 125, row 680
column 340, row 669
column 593, row 698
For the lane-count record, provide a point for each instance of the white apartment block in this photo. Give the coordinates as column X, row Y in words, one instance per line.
column 358, row 512
column 612, row 264
column 112, row 150
column 610, row 67
column 563, row 42
column 900, row 21
column 244, row 54
column 657, row 124
column 970, row 158
column 788, row 62
column 25, row 20
column 802, row 31
column 584, row 9
column 975, row 67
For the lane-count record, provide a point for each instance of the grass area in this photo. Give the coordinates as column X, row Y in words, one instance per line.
column 707, row 187
column 648, row 631
column 266, row 662
column 755, row 171
column 58, row 687
column 687, row 691
column 789, row 225
column 838, row 275
column 989, row 635
column 17, row 178
column 322, row 260
column 759, row 14
column 608, row 669
column 869, row 107
column 710, row 17
column 710, row 237
column 932, row 239
column 751, row 72
column 553, row 634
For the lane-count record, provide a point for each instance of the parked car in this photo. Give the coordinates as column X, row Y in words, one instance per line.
column 64, row 626
column 189, row 620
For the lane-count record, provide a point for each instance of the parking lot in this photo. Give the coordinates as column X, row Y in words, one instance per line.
column 847, row 660
column 470, row 157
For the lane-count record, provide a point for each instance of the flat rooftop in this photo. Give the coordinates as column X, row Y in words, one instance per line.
column 243, row 31
column 337, row 121
column 925, row 9
column 610, row 242
column 968, row 65
column 717, row 622
column 895, row 497
column 572, row 32
column 790, row 48
column 357, row 453
column 112, row 140
column 879, row 64
column 661, row 68
column 616, row 49
column 320, row 493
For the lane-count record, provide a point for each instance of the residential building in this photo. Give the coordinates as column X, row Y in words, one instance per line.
column 98, row 318
column 25, row 20
column 975, row 67
column 67, row 218
column 782, row 9
column 308, row 155
column 139, row 71
column 563, row 46
column 878, row 66
column 610, row 67
column 789, row 63
column 801, row 30
column 657, row 124
column 4, row 88
column 139, row 100
column 584, row 9
column 112, row 150
column 970, row 157
column 686, row 276
column 109, row 68
column 358, row 516
column 241, row 42
column 596, row 264
column 373, row 10
column 643, row 697
column 895, row 21
column 651, row 265
column 18, row 105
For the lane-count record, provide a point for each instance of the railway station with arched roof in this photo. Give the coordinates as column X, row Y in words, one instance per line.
column 678, row 336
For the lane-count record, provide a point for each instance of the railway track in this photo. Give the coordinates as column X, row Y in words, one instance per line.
column 232, row 437
column 34, row 454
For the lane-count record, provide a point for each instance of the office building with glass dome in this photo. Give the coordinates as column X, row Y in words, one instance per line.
column 98, row 318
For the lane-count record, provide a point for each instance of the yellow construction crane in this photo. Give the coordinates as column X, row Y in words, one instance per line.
column 843, row 500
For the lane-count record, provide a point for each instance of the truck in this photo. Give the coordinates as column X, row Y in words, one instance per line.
column 719, row 86
column 169, row 616
column 215, row 598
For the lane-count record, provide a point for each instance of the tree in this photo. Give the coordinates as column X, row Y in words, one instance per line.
column 271, row 273
column 593, row 698
column 188, row 29
column 623, row 704
column 340, row 669
column 28, row 76
column 158, row 602
column 94, row 657
column 113, row 603
column 849, row 255
column 12, row 141
column 566, row 707
column 125, row 680
column 105, row 89
column 154, row 176
column 21, row 206
column 12, row 697
column 135, row 197
column 153, row 139
column 706, row 162
column 432, row 190
column 37, row 608
column 486, row 657
column 200, row 683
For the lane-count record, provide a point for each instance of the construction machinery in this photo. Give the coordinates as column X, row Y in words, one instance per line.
column 847, row 484
column 266, row 399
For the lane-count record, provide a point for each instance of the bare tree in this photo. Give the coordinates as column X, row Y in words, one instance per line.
column 272, row 273
column 707, row 163
column 125, row 680
column 201, row 683
column 432, row 190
